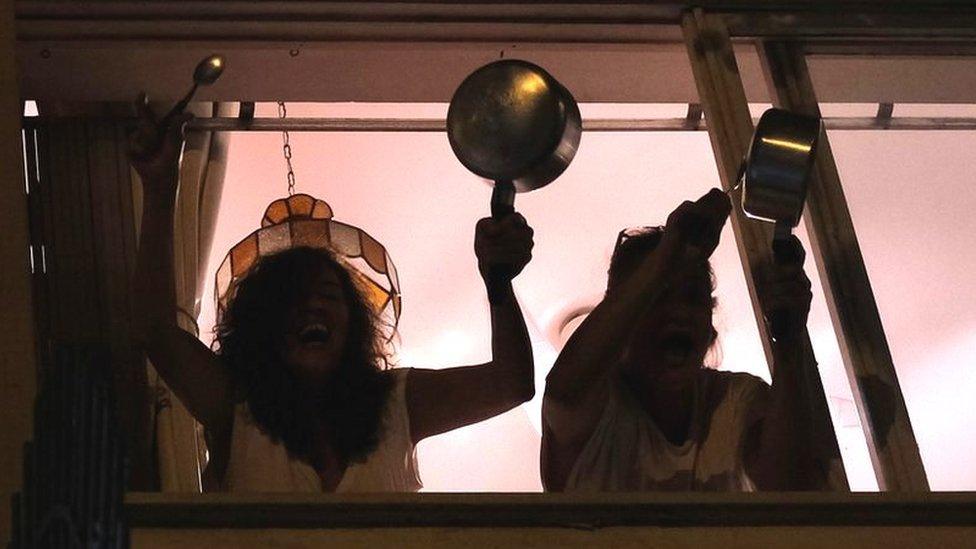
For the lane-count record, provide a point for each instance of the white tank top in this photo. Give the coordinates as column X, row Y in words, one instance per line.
column 627, row 452
column 258, row 464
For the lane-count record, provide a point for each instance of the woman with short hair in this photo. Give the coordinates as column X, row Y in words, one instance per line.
column 630, row 405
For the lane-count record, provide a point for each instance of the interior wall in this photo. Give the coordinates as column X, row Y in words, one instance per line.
column 17, row 350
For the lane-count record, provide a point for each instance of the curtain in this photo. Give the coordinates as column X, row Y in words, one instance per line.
column 83, row 237
column 181, row 451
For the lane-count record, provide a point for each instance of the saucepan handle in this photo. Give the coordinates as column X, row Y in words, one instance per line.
column 785, row 252
column 502, row 204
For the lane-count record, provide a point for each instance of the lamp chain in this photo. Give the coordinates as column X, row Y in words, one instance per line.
column 286, row 149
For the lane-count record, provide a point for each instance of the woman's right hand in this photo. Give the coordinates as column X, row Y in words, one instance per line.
column 155, row 148
column 697, row 224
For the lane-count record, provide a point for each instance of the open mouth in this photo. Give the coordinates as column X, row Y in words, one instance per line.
column 315, row 333
column 677, row 347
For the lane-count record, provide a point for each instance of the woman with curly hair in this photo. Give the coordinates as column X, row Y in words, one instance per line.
column 296, row 396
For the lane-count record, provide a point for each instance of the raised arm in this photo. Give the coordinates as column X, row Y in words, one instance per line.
column 190, row 369
column 578, row 385
column 780, row 452
column 441, row 400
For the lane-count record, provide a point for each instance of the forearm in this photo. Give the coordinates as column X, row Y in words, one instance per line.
column 583, row 362
column 786, row 460
column 511, row 348
column 154, row 284
column 190, row 369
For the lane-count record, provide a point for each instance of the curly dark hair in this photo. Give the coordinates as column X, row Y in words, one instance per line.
column 249, row 338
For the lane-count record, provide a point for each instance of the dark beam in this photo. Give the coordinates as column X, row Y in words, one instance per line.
column 149, row 510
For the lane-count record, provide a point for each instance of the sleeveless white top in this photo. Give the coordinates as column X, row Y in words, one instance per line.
column 628, row 452
column 258, row 464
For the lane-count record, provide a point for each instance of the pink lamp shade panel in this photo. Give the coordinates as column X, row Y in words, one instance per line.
column 303, row 220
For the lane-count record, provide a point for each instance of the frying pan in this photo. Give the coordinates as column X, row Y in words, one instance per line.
column 511, row 123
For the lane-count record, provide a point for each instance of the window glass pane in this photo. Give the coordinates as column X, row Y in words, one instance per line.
column 274, row 239
column 244, row 255
column 310, row 233
column 911, row 200
column 837, row 388
column 301, row 205
column 935, row 110
column 345, row 239
column 844, row 110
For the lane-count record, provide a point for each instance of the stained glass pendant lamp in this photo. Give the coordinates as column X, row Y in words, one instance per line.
column 302, row 220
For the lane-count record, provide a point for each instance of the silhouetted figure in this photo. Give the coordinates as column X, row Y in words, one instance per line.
column 629, row 404
column 296, row 396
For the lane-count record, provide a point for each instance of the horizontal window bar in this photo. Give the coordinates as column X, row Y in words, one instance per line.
column 591, row 125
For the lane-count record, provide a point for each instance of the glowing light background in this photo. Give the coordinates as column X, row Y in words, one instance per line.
column 909, row 195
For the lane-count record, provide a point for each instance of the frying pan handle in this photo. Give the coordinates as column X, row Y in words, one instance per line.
column 502, row 199
column 785, row 252
column 502, row 204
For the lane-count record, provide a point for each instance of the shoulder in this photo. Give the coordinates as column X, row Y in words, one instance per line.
column 736, row 379
column 396, row 414
column 398, row 373
column 736, row 386
column 398, row 377
column 397, row 380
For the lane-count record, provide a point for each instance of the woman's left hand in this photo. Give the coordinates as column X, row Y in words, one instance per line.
column 787, row 294
column 503, row 245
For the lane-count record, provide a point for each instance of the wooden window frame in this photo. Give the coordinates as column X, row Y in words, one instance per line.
column 784, row 34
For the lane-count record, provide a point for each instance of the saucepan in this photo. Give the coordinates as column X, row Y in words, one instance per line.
column 777, row 169
column 774, row 179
